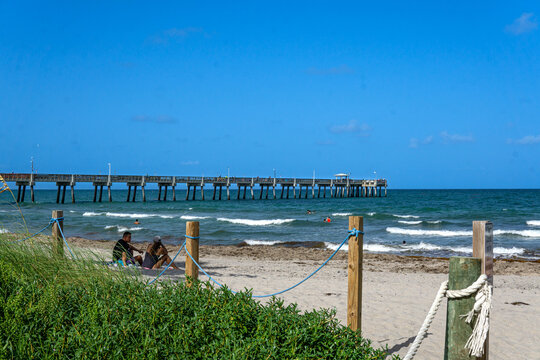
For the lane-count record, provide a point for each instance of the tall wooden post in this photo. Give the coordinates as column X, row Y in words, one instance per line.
column 165, row 194
column 483, row 249
column 100, row 192
column 72, row 193
column 192, row 245
column 214, row 194
column 245, row 189
column 58, row 195
column 129, row 193
column 174, row 193
column 32, row 192
column 187, row 192
column 63, row 193
column 23, row 192
column 463, row 272
column 354, row 274
column 134, row 193
column 58, row 243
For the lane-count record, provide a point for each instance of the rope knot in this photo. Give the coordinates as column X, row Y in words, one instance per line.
column 192, row 237
column 355, row 232
column 53, row 220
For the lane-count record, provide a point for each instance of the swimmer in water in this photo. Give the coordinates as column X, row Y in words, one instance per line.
column 327, row 219
column 309, row 212
column 136, row 222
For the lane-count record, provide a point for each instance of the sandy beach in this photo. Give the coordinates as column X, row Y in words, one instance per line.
column 397, row 292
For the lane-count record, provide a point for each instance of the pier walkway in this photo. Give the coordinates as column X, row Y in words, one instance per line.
column 301, row 187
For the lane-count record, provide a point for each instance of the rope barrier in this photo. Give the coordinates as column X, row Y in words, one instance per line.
column 57, row 221
column 353, row 232
column 482, row 307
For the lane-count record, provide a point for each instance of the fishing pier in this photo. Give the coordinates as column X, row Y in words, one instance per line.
column 340, row 187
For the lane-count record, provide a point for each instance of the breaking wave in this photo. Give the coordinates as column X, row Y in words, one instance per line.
column 251, row 222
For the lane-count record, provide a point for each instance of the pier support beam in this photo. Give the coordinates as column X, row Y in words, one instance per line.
column 134, row 193
column 214, row 194
column 100, row 192
column 110, row 195
column 63, row 194
column 95, row 193
column 385, row 192
column 324, row 193
column 252, row 194
column 220, row 190
column 307, row 189
column 245, row 189
column 319, row 192
column 282, row 190
column 23, row 192
column 274, row 191
column 32, row 192
column 288, row 189
column 294, row 191
column 143, row 193
column 267, row 188
column 165, row 194
column 129, row 193
column 228, row 193
column 174, row 193
column 72, row 194
column 202, row 192
column 159, row 193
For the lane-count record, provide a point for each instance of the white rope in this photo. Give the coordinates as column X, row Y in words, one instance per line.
column 482, row 307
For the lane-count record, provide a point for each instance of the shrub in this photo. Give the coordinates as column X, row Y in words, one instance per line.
column 104, row 314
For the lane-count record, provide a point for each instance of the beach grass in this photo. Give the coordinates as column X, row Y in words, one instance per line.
column 55, row 307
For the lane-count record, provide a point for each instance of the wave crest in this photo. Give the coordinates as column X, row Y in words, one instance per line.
column 251, row 222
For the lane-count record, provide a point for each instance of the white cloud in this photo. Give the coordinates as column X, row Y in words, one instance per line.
column 523, row 24
column 526, row 140
column 352, row 127
column 414, row 142
column 456, row 137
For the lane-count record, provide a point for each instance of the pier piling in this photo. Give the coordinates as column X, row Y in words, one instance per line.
column 128, row 193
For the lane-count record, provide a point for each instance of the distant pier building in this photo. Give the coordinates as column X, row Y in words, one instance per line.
column 269, row 187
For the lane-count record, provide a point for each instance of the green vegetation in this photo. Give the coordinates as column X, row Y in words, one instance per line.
column 52, row 308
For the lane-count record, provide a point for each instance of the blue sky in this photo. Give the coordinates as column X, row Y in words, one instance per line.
column 431, row 95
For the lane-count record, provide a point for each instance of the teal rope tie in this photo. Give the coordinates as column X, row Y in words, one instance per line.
column 57, row 221
column 353, row 232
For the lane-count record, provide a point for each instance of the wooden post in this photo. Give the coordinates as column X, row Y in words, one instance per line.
column 228, row 193
column 245, row 189
column 165, row 193
column 267, row 188
column 187, row 192
column 72, row 194
column 463, row 272
column 174, row 193
column 238, row 193
column 32, row 192
column 194, row 192
column 192, row 245
column 214, row 194
column 58, row 243
column 110, row 195
column 129, row 193
column 100, row 192
column 58, row 195
column 23, row 192
column 252, row 193
column 159, row 192
column 143, row 193
column 288, row 190
column 483, row 249
column 202, row 192
column 354, row 274
column 220, row 190
column 134, row 193
column 63, row 194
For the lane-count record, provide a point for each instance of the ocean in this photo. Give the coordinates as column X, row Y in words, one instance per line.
column 407, row 222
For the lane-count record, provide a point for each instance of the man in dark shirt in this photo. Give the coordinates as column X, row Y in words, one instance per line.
column 123, row 251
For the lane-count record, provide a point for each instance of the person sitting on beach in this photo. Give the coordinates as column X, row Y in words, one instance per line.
column 123, row 251
column 157, row 255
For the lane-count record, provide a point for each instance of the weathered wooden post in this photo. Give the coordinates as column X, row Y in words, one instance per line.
column 192, row 245
column 463, row 272
column 354, row 274
column 483, row 249
column 58, row 243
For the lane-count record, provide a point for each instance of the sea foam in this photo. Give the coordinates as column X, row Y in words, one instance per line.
column 122, row 228
column 251, row 222
column 192, row 217
column 261, row 242
column 414, row 222
column 341, row 214
column 524, row 233
column 406, row 216
column 443, row 233
column 533, row 222
column 127, row 215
